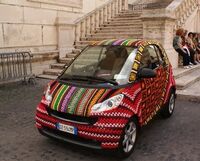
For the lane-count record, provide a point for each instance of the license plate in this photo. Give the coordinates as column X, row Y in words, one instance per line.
column 67, row 128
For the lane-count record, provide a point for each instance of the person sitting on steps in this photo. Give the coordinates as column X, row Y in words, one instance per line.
column 177, row 44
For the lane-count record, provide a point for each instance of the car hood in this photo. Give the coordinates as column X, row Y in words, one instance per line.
column 77, row 100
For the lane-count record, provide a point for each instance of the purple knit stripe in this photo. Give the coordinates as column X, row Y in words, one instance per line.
column 118, row 42
column 67, row 98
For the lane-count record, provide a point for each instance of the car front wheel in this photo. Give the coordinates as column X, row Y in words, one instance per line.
column 168, row 110
column 128, row 138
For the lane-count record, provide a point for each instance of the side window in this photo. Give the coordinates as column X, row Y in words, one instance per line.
column 159, row 52
column 149, row 58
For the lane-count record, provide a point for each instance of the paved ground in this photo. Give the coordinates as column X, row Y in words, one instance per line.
column 174, row 139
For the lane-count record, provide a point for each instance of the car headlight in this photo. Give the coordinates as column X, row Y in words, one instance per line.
column 47, row 96
column 108, row 104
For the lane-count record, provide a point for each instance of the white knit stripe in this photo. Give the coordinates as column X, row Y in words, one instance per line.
column 42, row 111
column 109, row 125
column 41, row 120
column 112, row 114
column 38, row 124
column 110, row 144
column 99, row 135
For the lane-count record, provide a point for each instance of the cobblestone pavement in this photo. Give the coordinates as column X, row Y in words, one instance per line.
column 174, row 139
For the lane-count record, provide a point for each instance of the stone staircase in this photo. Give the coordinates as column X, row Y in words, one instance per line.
column 110, row 22
column 126, row 24
column 188, row 83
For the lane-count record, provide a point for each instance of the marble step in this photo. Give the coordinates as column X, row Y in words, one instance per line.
column 100, row 38
column 58, row 66
column 130, row 24
column 179, row 72
column 114, row 21
column 65, row 60
column 54, row 72
column 45, row 76
column 187, row 79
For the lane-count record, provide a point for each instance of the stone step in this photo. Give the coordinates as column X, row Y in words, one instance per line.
column 83, row 42
column 179, row 72
column 76, row 51
column 119, row 28
column 123, row 24
column 125, row 21
column 108, row 30
column 80, row 47
column 188, row 79
column 54, row 72
column 58, row 66
column 191, row 93
column 115, row 34
column 100, row 38
column 125, row 18
column 65, row 60
column 44, row 76
column 70, row 55
column 128, row 15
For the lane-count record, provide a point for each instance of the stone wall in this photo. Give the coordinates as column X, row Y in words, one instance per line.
column 159, row 25
column 31, row 24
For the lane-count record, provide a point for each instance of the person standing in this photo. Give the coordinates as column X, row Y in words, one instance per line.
column 177, row 44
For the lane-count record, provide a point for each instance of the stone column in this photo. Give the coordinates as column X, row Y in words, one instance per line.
column 159, row 25
column 198, row 17
column 66, row 36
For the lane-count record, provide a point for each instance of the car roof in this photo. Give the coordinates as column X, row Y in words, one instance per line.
column 125, row 42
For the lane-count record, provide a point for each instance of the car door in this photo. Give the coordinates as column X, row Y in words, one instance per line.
column 152, row 88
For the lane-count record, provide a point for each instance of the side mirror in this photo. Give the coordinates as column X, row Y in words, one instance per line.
column 146, row 73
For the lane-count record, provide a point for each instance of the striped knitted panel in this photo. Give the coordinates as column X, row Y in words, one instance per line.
column 77, row 101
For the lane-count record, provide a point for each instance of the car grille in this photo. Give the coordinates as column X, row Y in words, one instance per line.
column 70, row 138
column 72, row 118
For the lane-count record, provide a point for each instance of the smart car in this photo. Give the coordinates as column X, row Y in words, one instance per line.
column 107, row 93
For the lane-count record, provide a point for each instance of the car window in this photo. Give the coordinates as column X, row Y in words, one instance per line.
column 107, row 62
column 149, row 58
column 160, row 54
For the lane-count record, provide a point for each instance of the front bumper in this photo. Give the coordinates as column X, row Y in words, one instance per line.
column 104, row 133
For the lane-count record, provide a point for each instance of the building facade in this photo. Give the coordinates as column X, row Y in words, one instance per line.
column 31, row 25
column 47, row 27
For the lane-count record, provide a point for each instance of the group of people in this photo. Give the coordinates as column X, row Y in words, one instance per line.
column 187, row 45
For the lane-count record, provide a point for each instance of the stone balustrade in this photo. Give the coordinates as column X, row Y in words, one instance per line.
column 91, row 21
column 182, row 10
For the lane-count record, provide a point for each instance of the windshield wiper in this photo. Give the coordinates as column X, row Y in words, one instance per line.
column 73, row 77
column 87, row 78
column 101, row 79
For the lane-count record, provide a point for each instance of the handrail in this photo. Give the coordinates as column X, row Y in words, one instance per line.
column 182, row 10
column 93, row 11
column 88, row 24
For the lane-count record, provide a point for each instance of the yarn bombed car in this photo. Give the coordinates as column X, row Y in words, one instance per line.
column 110, row 90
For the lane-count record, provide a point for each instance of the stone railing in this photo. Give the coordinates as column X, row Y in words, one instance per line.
column 93, row 20
column 182, row 9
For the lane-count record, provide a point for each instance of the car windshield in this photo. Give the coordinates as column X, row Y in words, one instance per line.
column 101, row 64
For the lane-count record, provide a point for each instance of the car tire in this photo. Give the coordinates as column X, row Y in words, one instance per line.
column 128, row 138
column 169, row 107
